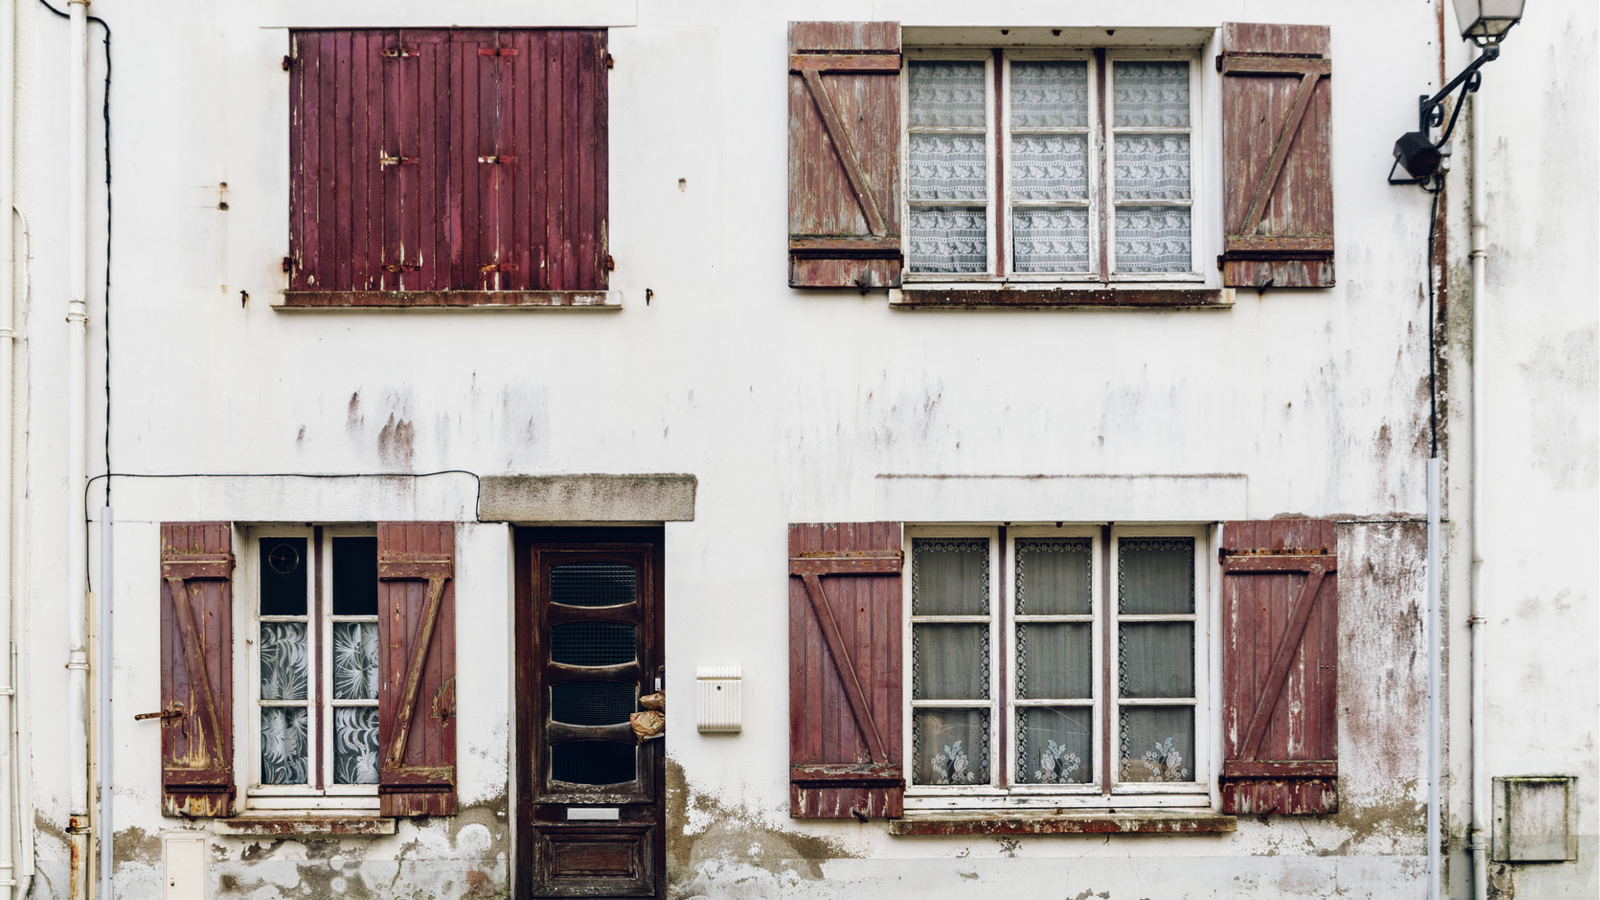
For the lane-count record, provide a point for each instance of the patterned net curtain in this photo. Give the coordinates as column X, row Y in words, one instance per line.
column 1049, row 163
column 948, row 229
column 950, row 661
column 1151, row 166
column 1155, row 659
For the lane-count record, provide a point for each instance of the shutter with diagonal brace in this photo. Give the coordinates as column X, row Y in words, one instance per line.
column 844, row 154
column 416, row 634
column 196, row 668
column 844, row 671
column 1277, row 100
column 1280, row 618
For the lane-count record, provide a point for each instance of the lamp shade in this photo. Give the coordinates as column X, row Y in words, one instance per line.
column 1487, row 20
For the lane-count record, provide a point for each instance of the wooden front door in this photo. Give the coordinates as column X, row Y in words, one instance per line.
column 590, row 806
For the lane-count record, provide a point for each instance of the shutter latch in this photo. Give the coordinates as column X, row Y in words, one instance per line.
column 497, row 51
column 401, row 267
column 398, row 52
column 498, row 267
column 386, row 160
column 497, row 160
column 173, row 711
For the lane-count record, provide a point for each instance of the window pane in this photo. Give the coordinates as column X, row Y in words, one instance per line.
column 593, row 762
column 1054, row 662
column 1050, row 240
column 950, row 577
column 947, row 94
column 1157, row 743
column 355, row 660
column 355, row 576
column 1150, row 95
column 1053, row 576
column 1155, row 659
column 1055, row 745
column 950, row 746
column 355, row 745
column 593, row 584
column 950, row 662
column 948, row 167
column 592, row 643
column 1151, row 166
column 1052, row 94
column 949, row 239
column 591, row 702
column 1155, row 575
column 1153, row 239
column 284, row 661
column 283, row 576
column 1050, row 167
column 283, row 745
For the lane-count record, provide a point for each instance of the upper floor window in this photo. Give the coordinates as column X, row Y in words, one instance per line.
column 1049, row 166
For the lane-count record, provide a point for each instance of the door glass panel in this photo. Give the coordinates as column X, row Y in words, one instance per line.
column 593, row 762
column 355, row 576
column 592, row 643
column 283, row 576
column 593, row 584
column 591, row 702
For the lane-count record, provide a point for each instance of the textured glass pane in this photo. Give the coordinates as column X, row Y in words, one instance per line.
column 950, row 662
column 283, row 576
column 283, row 745
column 355, row 745
column 1050, row 167
column 950, row 746
column 1050, row 240
column 593, row 762
column 591, row 702
column 947, row 94
column 1155, row 576
column 1157, row 743
column 1150, row 95
column 592, row 643
column 1155, row 659
column 1052, row 94
column 1153, row 239
column 1054, row 661
column 1055, row 745
column 1053, row 577
column 284, row 661
column 1151, row 166
column 355, row 660
column 949, row 239
column 593, row 584
column 355, row 576
column 948, row 167
column 950, row 577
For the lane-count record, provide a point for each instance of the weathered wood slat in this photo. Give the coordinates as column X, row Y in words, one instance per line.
column 197, row 668
column 416, row 635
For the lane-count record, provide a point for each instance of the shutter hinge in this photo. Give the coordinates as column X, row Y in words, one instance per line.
column 288, row 62
column 399, row 52
column 497, row 51
column 496, row 160
column 288, row 264
column 386, row 160
column 611, row 61
column 401, row 267
column 1219, row 62
column 611, row 263
column 1219, row 262
column 498, row 267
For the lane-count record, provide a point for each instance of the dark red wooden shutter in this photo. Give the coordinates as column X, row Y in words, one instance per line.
column 844, row 154
column 1277, row 100
column 416, row 634
column 844, row 671
column 1280, row 667
column 196, row 668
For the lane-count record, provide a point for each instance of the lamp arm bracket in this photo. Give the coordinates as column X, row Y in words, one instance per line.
column 1431, row 110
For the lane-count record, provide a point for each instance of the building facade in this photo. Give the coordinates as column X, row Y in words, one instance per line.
column 1004, row 433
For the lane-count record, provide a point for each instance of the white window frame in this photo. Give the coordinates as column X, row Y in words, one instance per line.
column 247, row 673
column 1002, row 791
column 1101, row 146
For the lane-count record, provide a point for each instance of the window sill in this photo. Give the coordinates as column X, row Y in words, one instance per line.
column 1007, row 822
column 1056, row 297
column 532, row 300
column 317, row 823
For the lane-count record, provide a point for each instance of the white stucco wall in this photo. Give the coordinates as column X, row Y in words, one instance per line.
column 789, row 406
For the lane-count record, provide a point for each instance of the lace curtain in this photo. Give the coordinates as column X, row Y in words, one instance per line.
column 948, row 166
column 1151, row 167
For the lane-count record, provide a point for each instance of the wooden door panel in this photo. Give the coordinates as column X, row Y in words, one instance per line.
column 595, row 860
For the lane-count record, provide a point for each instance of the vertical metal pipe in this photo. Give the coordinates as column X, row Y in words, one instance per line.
column 104, row 718
column 77, row 449
column 1477, row 840
column 1435, row 712
column 8, row 759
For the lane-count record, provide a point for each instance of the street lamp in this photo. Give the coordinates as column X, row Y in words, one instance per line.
column 1485, row 23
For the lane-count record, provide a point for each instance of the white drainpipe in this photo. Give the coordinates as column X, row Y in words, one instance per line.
column 8, row 762
column 1478, row 837
column 77, row 450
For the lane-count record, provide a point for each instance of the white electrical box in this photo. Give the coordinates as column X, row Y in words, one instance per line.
column 184, row 863
column 719, row 703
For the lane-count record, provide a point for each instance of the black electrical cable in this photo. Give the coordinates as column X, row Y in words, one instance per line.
column 1433, row 388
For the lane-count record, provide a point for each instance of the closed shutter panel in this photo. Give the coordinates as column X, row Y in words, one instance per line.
column 416, row 636
column 196, row 668
column 1280, row 619
column 844, row 154
column 1277, row 100
column 844, row 671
